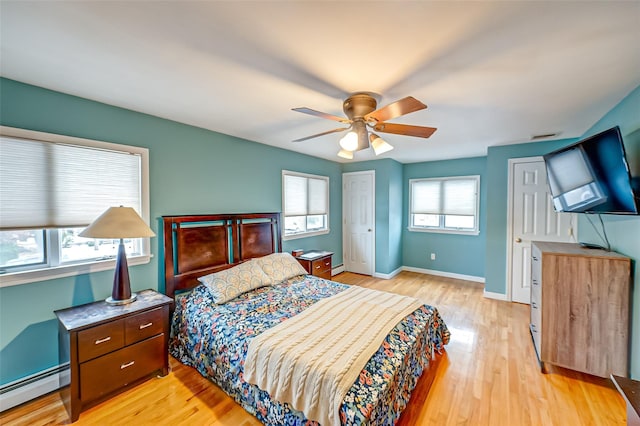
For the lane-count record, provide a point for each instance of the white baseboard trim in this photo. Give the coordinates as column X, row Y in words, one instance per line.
column 496, row 296
column 444, row 274
column 33, row 386
column 388, row 276
column 337, row 270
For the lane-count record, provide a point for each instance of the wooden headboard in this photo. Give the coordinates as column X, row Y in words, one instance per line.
column 197, row 245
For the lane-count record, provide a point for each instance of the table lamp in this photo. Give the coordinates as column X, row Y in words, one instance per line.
column 119, row 222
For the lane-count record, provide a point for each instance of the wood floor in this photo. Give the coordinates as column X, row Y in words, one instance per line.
column 488, row 376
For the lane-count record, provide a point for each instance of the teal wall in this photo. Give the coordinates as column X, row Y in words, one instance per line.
column 191, row 171
column 455, row 253
column 388, row 211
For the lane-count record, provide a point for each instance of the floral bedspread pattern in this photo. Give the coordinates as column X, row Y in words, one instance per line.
column 214, row 340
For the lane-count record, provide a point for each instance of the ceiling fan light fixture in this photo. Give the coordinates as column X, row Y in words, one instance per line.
column 349, row 142
column 345, row 154
column 379, row 145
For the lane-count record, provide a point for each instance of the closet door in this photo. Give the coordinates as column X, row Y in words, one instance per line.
column 358, row 212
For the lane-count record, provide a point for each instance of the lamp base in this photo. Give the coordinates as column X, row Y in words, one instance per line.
column 112, row 301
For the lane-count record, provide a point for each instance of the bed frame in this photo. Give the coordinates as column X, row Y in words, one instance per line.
column 197, row 245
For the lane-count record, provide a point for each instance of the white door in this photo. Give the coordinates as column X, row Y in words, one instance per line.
column 358, row 219
column 532, row 218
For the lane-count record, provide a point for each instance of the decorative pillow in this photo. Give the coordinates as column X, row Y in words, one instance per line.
column 230, row 283
column 280, row 266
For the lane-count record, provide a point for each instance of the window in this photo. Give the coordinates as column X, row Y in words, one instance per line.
column 53, row 187
column 444, row 204
column 305, row 200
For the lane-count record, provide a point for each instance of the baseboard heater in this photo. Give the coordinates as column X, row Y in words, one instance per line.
column 31, row 387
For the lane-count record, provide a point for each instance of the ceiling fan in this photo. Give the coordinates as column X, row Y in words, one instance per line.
column 361, row 111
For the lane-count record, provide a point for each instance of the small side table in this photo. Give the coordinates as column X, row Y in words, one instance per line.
column 630, row 391
column 112, row 347
column 317, row 263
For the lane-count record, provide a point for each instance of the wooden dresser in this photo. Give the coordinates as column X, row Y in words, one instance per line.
column 317, row 263
column 112, row 347
column 580, row 302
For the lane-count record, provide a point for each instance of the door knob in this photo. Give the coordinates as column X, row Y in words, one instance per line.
column 518, row 240
column 369, row 230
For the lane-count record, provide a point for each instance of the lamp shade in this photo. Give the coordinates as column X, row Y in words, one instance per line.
column 118, row 222
column 349, row 142
column 379, row 145
column 345, row 154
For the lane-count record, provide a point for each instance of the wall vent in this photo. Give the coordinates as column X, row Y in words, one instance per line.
column 544, row 136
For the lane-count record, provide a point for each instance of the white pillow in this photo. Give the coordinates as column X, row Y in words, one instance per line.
column 280, row 266
column 230, row 283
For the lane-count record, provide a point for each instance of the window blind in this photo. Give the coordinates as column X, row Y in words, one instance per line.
column 51, row 185
column 304, row 195
column 450, row 196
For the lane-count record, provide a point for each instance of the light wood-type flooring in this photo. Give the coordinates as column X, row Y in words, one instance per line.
column 488, row 376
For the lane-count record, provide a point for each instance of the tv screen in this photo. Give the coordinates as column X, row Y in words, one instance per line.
column 592, row 176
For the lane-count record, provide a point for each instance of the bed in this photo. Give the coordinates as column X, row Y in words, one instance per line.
column 214, row 338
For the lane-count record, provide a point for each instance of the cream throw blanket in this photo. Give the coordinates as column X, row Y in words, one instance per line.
column 312, row 359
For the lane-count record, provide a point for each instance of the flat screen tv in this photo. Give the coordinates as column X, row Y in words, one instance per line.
column 592, row 176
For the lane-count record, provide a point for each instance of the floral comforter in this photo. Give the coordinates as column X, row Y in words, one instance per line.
column 214, row 340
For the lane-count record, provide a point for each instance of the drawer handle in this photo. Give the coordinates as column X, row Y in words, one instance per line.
column 327, row 263
column 106, row 339
column 318, row 267
column 129, row 364
column 145, row 325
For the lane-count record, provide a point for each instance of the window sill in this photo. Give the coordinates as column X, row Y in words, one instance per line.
column 24, row 277
column 444, row 231
column 305, row 235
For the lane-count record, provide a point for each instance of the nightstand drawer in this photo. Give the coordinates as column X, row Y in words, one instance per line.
column 103, row 375
column 99, row 340
column 321, row 265
column 139, row 327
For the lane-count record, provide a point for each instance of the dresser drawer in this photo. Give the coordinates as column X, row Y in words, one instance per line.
column 99, row 340
column 536, row 315
column 139, row 327
column 103, row 375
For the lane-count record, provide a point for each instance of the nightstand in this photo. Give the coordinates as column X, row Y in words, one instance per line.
column 112, row 347
column 317, row 263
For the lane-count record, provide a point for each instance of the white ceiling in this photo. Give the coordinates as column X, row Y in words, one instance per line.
column 492, row 73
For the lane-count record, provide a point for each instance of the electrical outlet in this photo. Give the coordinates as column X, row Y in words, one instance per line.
column 433, row 256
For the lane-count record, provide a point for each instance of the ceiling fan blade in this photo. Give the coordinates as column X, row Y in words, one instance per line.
column 341, row 129
column 396, row 109
column 322, row 114
column 405, row 129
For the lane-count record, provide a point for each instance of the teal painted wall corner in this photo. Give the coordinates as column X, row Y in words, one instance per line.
column 448, row 248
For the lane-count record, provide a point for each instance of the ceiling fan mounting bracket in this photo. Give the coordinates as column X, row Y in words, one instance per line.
column 358, row 105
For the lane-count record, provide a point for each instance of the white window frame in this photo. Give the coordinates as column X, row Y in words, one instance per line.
column 308, row 233
column 52, row 272
column 441, row 228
